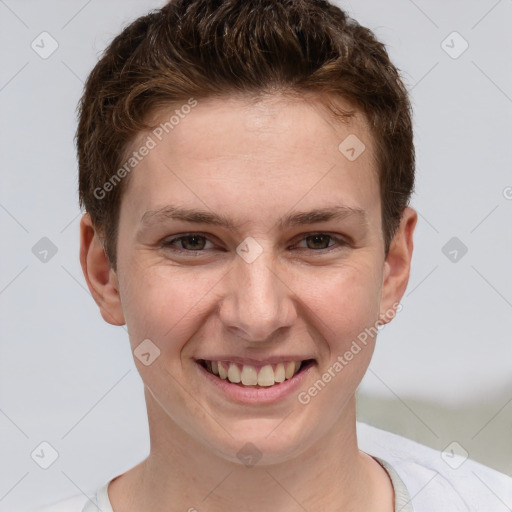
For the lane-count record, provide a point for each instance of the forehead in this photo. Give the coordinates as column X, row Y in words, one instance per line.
column 238, row 155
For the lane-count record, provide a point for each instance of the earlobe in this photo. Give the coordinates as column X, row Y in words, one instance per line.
column 397, row 265
column 99, row 275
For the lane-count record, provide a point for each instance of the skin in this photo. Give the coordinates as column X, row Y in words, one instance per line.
column 252, row 162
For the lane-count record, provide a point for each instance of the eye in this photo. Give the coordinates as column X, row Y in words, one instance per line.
column 320, row 241
column 189, row 242
column 197, row 243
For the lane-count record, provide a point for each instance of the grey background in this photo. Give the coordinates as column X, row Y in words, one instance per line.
column 441, row 371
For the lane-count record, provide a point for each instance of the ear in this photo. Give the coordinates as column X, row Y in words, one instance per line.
column 101, row 278
column 397, row 266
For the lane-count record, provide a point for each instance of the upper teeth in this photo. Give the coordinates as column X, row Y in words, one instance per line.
column 248, row 375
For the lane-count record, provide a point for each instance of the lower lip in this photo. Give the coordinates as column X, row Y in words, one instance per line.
column 257, row 395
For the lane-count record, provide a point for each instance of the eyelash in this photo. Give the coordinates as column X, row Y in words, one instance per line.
column 339, row 242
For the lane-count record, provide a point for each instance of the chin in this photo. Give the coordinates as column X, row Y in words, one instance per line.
column 262, row 441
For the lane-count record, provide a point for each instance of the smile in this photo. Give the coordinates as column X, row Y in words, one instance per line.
column 266, row 375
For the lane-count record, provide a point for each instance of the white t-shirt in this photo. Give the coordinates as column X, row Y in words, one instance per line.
column 424, row 479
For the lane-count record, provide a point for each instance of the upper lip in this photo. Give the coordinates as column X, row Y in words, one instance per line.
column 254, row 361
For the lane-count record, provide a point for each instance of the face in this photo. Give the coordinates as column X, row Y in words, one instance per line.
column 249, row 242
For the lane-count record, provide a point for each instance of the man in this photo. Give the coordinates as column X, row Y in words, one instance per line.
column 246, row 169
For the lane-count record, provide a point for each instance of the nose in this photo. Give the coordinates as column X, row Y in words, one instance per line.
column 259, row 301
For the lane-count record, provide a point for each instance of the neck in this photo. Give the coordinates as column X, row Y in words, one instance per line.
column 181, row 474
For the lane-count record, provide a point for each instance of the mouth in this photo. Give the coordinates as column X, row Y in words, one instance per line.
column 255, row 376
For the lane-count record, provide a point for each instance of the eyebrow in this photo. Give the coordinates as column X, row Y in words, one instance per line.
column 299, row 218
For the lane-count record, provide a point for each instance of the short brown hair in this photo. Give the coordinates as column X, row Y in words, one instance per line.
column 209, row 48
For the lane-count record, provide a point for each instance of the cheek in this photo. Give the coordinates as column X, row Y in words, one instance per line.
column 163, row 304
column 169, row 305
column 346, row 301
column 347, row 309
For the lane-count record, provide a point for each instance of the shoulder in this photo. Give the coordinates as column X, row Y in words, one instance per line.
column 81, row 503
column 72, row 504
column 437, row 480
